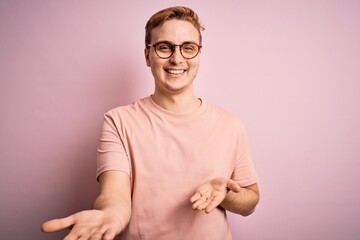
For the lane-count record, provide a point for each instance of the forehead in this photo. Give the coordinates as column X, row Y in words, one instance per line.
column 176, row 31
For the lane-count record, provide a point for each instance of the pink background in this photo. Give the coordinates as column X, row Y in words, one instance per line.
column 289, row 69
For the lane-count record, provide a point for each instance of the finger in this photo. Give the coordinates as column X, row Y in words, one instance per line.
column 77, row 233
column 72, row 236
column 83, row 238
column 109, row 235
column 58, row 224
column 198, row 202
column 233, row 186
column 84, row 234
column 212, row 205
column 203, row 205
column 96, row 236
column 195, row 197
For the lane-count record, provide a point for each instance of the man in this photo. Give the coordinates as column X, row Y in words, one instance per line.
column 171, row 164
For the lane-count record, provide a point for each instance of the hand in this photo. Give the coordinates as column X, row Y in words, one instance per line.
column 90, row 224
column 210, row 195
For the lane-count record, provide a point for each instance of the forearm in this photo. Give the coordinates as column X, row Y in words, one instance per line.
column 117, row 205
column 243, row 202
column 115, row 196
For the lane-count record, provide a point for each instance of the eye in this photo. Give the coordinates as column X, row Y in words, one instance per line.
column 164, row 47
column 189, row 47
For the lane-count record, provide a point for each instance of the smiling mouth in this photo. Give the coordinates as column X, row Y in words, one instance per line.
column 175, row 71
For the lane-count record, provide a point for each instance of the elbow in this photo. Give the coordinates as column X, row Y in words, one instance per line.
column 251, row 208
column 247, row 213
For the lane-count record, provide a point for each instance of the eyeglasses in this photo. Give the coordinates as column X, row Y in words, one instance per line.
column 165, row 49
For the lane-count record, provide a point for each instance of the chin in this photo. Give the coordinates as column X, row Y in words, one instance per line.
column 175, row 90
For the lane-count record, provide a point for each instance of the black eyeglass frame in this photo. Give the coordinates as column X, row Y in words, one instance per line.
column 173, row 48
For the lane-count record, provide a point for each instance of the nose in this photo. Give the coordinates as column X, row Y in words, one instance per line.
column 176, row 57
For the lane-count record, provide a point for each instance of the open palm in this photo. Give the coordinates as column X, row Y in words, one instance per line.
column 89, row 224
column 210, row 195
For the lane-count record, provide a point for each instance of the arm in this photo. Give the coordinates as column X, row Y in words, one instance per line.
column 115, row 195
column 242, row 202
column 227, row 194
column 110, row 214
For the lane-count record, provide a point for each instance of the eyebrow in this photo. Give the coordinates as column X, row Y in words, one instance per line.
column 169, row 42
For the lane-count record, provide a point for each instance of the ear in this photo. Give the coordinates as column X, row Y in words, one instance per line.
column 146, row 53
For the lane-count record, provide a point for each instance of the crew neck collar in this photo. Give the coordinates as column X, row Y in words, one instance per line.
column 158, row 108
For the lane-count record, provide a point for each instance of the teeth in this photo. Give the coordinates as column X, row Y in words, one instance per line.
column 173, row 71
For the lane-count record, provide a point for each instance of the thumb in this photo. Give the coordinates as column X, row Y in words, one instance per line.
column 57, row 224
column 233, row 186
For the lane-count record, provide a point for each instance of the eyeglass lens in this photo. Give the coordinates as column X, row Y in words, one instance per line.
column 188, row 50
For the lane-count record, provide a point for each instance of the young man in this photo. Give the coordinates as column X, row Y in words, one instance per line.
column 171, row 164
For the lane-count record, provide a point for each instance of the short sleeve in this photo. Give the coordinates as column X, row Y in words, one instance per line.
column 244, row 171
column 111, row 153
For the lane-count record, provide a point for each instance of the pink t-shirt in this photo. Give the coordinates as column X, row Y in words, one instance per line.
column 168, row 156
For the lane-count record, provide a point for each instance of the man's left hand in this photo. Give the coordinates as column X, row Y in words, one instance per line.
column 210, row 195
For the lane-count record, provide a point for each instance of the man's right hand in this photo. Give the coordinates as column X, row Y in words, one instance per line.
column 89, row 224
column 109, row 217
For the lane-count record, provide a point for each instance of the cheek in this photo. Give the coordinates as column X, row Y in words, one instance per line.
column 156, row 68
column 156, row 64
column 194, row 66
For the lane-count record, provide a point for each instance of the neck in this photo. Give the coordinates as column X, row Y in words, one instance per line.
column 180, row 103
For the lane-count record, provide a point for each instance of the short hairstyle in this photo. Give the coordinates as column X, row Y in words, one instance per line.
column 179, row 13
